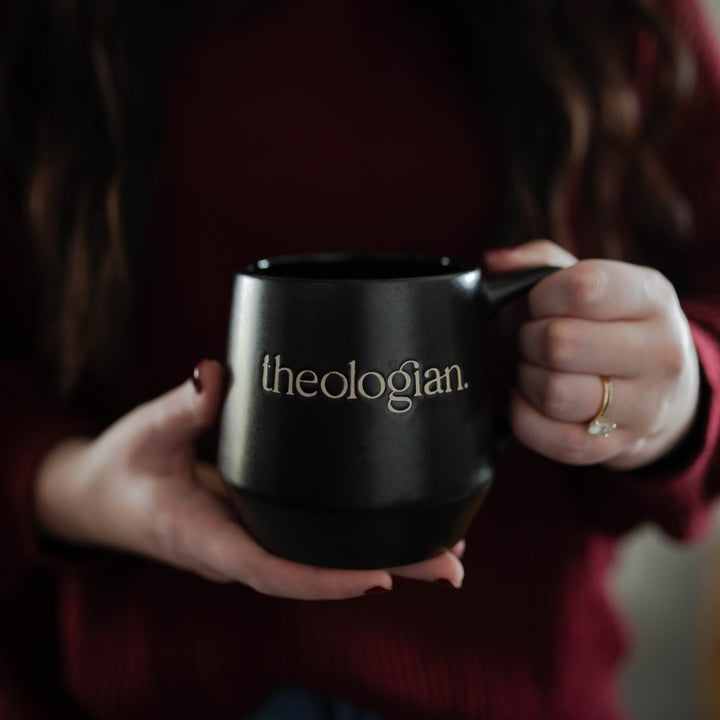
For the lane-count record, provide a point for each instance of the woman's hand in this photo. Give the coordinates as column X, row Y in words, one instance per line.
column 137, row 488
column 595, row 318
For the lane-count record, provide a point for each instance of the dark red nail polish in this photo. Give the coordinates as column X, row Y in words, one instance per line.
column 377, row 590
column 197, row 384
column 445, row 583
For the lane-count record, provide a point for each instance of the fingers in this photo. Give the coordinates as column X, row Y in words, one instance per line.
column 619, row 349
column 576, row 398
column 278, row 577
column 560, row 388
column 571, row 397
column 564, row 442
column 602, row 290
column 446, row 569
column 199, row 532
column 592, row 289
column 458, row 549
column 659, row 348
column 531, row 254
column 600, row 318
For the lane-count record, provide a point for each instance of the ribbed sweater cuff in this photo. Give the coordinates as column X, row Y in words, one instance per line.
column 29, row 429
column 677, row 490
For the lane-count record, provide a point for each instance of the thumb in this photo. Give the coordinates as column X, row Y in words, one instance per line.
column 176, row 418
column 528, row 255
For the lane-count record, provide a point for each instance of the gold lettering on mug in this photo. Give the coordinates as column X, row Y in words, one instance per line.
column 266, row 368
column 278, row 371
column 380, row 385
column 352, row 365
column 434, row 384
column 300, row 381
column 343, row 385
column 448, row 386
column 397, row 402
column 401, row 385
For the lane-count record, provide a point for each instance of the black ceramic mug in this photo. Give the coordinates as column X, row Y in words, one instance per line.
column 357, row 431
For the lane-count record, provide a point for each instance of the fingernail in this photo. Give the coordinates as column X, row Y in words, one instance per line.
column 376, row 590
column 197, row 384
column 459, row 548
column 444, row 582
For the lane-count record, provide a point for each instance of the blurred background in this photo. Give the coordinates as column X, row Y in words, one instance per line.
column 715, row 8
column 670, row 596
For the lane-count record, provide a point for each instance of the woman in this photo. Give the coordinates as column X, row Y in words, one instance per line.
column 443, row 128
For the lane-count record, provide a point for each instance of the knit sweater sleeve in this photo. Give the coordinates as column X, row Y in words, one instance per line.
column 677, row 492
column 31, row 419
column 30, row 424
column 29, row 428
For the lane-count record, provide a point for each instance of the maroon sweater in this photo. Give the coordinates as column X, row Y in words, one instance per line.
column 337, row 125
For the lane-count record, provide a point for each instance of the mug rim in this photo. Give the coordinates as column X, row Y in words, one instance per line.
column 438, row 266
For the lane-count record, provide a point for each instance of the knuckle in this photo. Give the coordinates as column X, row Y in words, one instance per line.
column 560, row 344
column 554, row 397
column 587, row 284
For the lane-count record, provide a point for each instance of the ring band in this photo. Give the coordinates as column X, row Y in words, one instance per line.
column 600, row 425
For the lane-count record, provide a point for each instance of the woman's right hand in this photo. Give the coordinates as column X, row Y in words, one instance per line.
column 138, row 488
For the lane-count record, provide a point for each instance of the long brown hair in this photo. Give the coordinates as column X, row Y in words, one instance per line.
column 79, row 125
column 78, row 89
column 560, row 79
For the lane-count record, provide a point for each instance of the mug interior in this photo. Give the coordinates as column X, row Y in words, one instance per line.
column 333, row 266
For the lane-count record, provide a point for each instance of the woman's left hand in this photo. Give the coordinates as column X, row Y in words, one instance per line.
column 599, row 318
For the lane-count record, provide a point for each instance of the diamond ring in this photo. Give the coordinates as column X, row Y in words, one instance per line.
column 600, row 425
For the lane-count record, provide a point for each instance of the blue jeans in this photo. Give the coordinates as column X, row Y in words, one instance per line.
column 294, row 703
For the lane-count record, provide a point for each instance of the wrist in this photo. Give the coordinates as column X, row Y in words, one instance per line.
column 58, row 491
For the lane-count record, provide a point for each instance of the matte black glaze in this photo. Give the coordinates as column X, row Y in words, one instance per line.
column 322, row 471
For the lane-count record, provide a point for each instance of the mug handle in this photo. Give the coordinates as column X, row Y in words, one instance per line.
column 496, row 293
column 500, row 290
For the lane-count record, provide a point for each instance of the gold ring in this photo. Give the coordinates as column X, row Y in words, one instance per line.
column 601, row 425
